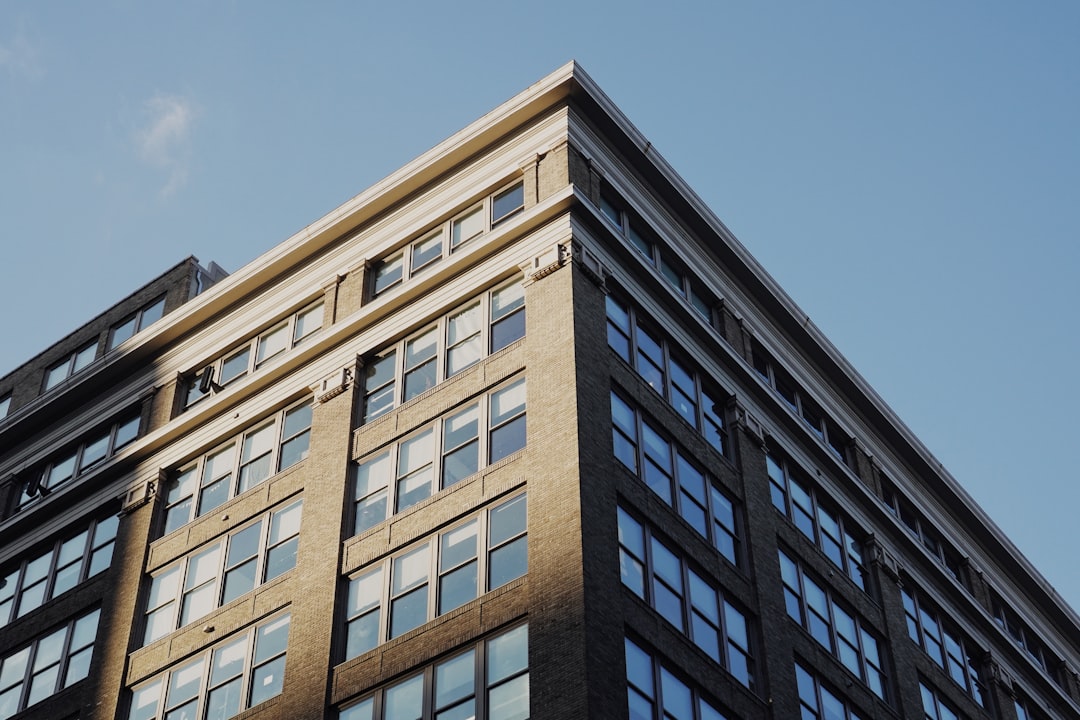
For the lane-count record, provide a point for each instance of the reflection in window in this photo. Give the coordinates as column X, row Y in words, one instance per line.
column 70, row 365
column 143, row 318
column 655, row 693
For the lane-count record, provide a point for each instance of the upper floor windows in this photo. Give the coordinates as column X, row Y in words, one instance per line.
column 934, row 707
column 945, row 645
column 441, row 241
column 924, row 530
column 251, row 355
column 142, row 318
column 60, row 567
column 657, row 364
column 802, row 405
column 70, row 365
column 5, row 405
column 655, row 693
column 818, row 702
column 440, row 455
column 216, row 575
column 828, row 529
column 489, row 681
column 835, row 629
column 1026, row 709
column 1026, row 638
column 94, row 450
column 454, row 342
column 671, row 475
column 47, row 665
column 437, row 575
column 237, row 466
column 237, row 674
column 659, row 576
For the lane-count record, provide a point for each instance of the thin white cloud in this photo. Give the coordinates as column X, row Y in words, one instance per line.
column 164, row 141
column 19, row 57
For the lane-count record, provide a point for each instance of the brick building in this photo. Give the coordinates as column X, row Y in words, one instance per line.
column 520, row 431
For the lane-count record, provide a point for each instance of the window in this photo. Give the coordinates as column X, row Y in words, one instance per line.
column 828, row 529
column 1026, row 638
column 254, row 353
column 837, row 630
column 654, row 693
column 1026, row 708
column 88, row 454
column 5, row 405
column 437, row 575
column 820, row 424
column 671, row 475
column 455, row 342
column 60, row 567
column 439, row 455
column 944, row 644
column 47, row 665
column 930, row 538
column 487, row 681
column 818, row 702
column 235, row 675
column 70, row 365
column 221, row 572
column 142, row 318
column 657, row 575
column 673, row 378
column 934, row 707
column 237, row 466
column 437, row 243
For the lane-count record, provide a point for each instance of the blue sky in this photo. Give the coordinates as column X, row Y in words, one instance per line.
column 907, row 171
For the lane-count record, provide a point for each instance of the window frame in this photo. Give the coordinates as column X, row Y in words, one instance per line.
column 819, row 690
column 912, row 519
column 5, row 405
column 72, row 365
column 651, row 686
column 934, row 706
column 194, row 472
column 138, row 320
column 928, row 629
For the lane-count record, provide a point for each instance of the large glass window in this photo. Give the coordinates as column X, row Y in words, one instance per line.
column 141, row 319
column 248, row 357
column 679, row 482
column 217, row 574
column 818, row 702
column 437, row 575
column 50, row 663
column 836, row 629
column 439, row 455
column 455, row 342
column 489, row 681
column 91, row 452
column 801, row 503
column 935, row 707
column 655, row 693
column 657, row 362
column 944, row 644
column 661, row 577
column 236, row 674
column 237, row 466
column 70, row 365
column 56, row 569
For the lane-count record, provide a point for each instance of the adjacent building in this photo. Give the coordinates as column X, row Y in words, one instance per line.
column 520, row 431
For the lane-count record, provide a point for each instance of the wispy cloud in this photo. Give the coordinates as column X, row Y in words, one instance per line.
column 164, row 140
column 19, row 57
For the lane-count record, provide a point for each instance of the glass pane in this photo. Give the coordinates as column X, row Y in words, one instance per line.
column 463, row 356
column 218, row 464
column 388, row 273
column 126, row 432
column 458, row 545
column 14, row 667
column 426, row 251
column 238, row 581
column 228, row 662
column 371, row 511
column 466, row 227
column 152, row 313
column 509, row 701
column 84, row 357
column 507, row 402
column 144, row 702
column 507, row 203
column 460, row 464
column 198, row 603
column 372, row 475
column 272, row 639
column 507, row 520
column 308, row 322
column 508, row 654
column 94, row 452
column 365, row 592
column 223, row 702
column 411, row 570
column 405, row 701
column 676, row 695
column 184, row 683
column 43, row 685
column 507, row 563
column 281, row 559
column 506, row 300
column 122, row 332
column 416, row 452
column 297, row 420
column 454, row 679
column 508, row 439
column 408, row 611
column 463, row 324
column 202, row 567
column 414, row 488
column 49, row 649
column 84, row 631
column 235, row 365
column 420, row 349
column 266, row 681
column 363, row 634
column 361, row 711
column 271, row 344
column 457, row 588
column 244, row 544
column 507, row 330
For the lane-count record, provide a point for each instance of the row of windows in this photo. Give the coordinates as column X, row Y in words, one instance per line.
column 59, row 568
column 439, row 242
column 191, row 588
column 654, row 693
column 439, row 455
column 934, row 707
column 835, row 629
column 76, row 361
column 671, row 475
column 799, row 401
column 945, row 645
column 490, row 681
column 437, row 575
column 1028, row 639
column 239, row 465
column 139, row 320
column 921, row 528
column 85, row 456
column 454, row 342
column 252, row 354
column 681, row 282
column 817, row 701
column 659, row 576
column 826, row 528
column 655, row 362
column 235, row 675
column 47, row 665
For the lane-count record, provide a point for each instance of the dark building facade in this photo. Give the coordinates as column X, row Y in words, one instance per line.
column 521, row 431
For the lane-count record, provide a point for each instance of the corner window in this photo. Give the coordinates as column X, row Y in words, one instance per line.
column 235, row 675
column 50, row 663
column 237, row 466
column 141, row 319
column 70, row 365
column 437, row 575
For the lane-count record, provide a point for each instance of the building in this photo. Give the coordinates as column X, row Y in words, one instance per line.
column 520, row 431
